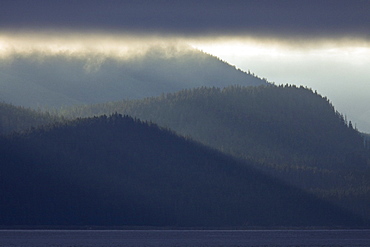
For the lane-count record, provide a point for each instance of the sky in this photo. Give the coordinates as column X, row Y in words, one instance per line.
column 324, row 45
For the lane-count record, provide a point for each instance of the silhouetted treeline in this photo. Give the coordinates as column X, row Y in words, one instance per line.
column 114, row 171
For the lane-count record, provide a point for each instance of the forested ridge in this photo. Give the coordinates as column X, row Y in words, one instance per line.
column 289, row 132
column 17, row 118
column 268, row 123
column 114, row 171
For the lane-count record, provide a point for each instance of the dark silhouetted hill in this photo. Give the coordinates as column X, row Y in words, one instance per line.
column 117, row 171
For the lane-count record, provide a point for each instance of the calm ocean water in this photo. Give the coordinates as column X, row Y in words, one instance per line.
column 182, row 238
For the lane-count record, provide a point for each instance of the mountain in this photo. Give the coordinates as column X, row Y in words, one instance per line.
column 283, row 121
column 16, row 118
column 118, row 171
column 289, row 132
column 51, row 81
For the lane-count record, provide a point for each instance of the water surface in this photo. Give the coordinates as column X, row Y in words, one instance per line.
column 184, row 238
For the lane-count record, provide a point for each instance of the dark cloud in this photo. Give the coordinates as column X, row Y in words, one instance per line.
column 192, row 17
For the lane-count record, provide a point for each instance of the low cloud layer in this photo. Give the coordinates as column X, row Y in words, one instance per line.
column 75, row 44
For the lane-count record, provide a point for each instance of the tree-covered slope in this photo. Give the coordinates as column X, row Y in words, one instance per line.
column 39, row 80
column 268, row 123
column 13, row 118
column 114, row 171
column 292, row 133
